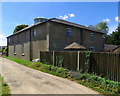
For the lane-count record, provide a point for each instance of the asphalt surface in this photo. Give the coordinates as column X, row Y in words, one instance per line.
column 24, row 80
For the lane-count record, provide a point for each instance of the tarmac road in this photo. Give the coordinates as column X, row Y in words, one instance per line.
column 24, row 80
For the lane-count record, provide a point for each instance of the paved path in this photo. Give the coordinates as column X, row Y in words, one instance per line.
column 24, row 80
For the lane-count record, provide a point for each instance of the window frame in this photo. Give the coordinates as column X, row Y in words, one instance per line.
column 18, row 39
column 92, row 36
column 14, row 49
column 26, row 37
column 9, row 40
column 34, row 32
column 92, row 48
column 23, row 49
column 69, row 32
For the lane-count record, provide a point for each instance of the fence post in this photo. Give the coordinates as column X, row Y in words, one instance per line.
column 78, row 59
column 53, row 57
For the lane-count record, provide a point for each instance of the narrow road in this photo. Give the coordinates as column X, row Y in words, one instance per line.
column 24, row 80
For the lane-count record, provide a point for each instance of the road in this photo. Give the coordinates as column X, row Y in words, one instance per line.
column 24, row 80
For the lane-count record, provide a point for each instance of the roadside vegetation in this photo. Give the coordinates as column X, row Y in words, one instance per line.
column 98, row 83
column 4, row 88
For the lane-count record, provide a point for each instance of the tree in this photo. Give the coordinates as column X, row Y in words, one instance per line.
column 113, row 38
column 19, row 27
column 102, row 26
column 92, row 27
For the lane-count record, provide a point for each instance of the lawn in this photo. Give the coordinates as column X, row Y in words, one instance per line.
column 4, row 88
column 98, row 83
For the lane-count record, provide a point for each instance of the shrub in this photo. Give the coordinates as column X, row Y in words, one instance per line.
column 118, row 90
column 88, row 56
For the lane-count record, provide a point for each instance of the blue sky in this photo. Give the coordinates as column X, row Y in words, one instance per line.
column 88, row 13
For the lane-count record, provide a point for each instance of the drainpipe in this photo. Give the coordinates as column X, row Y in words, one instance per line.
column 81, row 33
column 7, row 47
column 30, row 47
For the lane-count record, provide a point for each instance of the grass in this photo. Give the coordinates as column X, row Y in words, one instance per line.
column 102, row 85
column 4, row 88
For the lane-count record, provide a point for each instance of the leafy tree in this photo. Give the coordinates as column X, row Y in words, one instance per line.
column 113, row 38
column 102, row 26
column 19, row 27
column 92, row 27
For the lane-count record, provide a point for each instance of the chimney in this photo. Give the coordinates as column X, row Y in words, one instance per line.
column 40, row 19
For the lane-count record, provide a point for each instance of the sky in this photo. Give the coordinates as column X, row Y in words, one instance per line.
column 83, row 13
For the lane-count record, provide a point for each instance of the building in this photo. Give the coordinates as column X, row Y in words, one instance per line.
column 117, row 50
column 52, row 35
column 111, row 48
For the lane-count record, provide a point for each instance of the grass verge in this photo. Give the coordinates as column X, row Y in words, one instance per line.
column 4, row 88
column 102, row 85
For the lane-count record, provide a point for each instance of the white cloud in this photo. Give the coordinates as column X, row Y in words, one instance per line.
column 3, row 40
column 117, row 19
column 67, row 16
column 112, row 28
column 64, row 17
column 106, row 20
column 72, row 15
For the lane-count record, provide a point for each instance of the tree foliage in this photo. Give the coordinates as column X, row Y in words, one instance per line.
column 19, row 27
column 92, row 27
column 102, row 26
column 113, row 38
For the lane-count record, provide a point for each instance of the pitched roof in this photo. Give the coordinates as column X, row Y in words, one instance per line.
column 75, row 45
column 57, row 21
column 116, row 48
column 74, row 24
column 110, row 47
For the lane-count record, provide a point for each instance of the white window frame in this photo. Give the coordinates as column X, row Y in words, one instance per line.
column 69, row 31
column 23, row 49
column 14, row 49
column 34, row 33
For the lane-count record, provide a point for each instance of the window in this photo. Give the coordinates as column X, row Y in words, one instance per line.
column 22, row 49
column 92, row 36
column 26, row 37
column 18, row 39
column 9, row 40
column 92, row 48
column 34, row 33
column 69, row 34
column 12, row 39
column 15, row 49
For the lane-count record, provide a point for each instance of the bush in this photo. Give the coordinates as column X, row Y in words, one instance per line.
column 118, row 88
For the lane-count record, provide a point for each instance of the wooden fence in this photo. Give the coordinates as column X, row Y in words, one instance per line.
column 107, row 64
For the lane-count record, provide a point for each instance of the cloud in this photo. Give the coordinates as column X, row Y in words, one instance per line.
column 67, row 16
column 112, row 28
column 3, row 40
column 64, row 17
column 106, row 20
column 117, row 19
column 72, row 15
